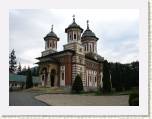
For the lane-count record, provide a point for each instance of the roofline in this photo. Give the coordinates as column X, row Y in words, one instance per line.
column 73, row 27
column 57, row 53
column 83, row 38
column 52, row 37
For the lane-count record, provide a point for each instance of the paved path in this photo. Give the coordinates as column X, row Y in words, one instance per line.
column 22, row 98
column 83, row 100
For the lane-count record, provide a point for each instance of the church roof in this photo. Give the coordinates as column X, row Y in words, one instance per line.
column 51, row 34
column 94, row 56
column 88, row 33
column 57, row 53
column 73, row 25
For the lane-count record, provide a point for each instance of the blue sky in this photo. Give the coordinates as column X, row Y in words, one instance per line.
column 117, row 30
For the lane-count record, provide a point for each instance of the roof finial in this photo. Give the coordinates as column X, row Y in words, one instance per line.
column 52, row 27
column 87, row 24
column 73, row 18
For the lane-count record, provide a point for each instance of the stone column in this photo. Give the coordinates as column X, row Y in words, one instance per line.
column 49, row 80
column 55, row 81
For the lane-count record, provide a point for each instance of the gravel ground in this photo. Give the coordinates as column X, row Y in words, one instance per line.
column 22, row 98
column 82, row 100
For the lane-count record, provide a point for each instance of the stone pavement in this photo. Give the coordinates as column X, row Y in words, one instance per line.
column 83, row 100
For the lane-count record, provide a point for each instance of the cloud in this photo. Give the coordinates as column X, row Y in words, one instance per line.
column 117, row 31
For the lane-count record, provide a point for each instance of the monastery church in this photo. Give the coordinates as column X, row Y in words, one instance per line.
column 59, row 68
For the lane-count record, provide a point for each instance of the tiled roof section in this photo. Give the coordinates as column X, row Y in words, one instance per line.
column 57, row 53
column 22, row 78
column 88, row 32
column 94, row 57
column 73, row 25
column 51, row 34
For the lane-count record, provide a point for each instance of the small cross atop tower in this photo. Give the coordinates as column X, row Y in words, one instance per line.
column 87, row 24
column 52, row 27
column 73, row 18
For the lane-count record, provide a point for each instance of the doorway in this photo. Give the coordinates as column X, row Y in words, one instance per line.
column 52, row 76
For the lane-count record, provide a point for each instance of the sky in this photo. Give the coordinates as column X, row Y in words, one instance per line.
column 117, row 30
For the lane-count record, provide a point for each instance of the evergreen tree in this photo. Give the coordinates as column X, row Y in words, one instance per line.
column 19, row 69
column 29, row 81
column 12, row 62
column 106, row 78
column 77, row 85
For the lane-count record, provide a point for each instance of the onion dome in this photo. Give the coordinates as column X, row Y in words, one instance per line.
column 73, row 25
column 51, row 34
column 89, row 33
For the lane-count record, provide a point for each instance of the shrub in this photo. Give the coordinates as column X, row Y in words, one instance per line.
column 77, row 85
column 29, row 81
column 106, row 78
column 134, row 99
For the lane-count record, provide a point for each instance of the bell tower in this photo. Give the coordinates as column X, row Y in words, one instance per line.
column 74, row 43
column 73, row 32
column 89, row 40
column 51, row 40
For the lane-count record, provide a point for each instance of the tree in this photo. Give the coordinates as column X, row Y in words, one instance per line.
column 29, row 81
column 106, row 78
column 19, row 69
column 12, row 62
column 77, row 85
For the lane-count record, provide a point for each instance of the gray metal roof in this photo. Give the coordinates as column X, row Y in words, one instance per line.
column 51, row 34
column 22, row 78
column 73, row 25
column 89, row 33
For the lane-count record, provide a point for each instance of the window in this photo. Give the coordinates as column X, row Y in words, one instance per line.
column 74, row 36
column 70, row 37
column 43, row 78
column 50, row 45
column 95, row 78
column 80, row 50
column 53, row 44
column 47, row 44
column 62, row 76
column 90, row 48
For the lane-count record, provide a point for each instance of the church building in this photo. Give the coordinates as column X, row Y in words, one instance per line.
column 59, row 68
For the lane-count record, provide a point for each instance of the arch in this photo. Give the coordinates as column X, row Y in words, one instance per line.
column 44, row 75
column 52, row 77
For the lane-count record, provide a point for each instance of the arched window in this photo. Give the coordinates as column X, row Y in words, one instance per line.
column 90, row 48
column 70, row 37
column 75, row 36
column 62, row 76
column 85, row 48
column 95, row 79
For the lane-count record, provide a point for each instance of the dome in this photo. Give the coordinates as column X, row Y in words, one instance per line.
column 73, row 25
column 89, row 33
column 51, row 34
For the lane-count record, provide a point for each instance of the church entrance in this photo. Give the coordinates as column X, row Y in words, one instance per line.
column 52, row 76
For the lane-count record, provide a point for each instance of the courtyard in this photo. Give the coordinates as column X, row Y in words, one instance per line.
column 83, row 100
column 39, row 98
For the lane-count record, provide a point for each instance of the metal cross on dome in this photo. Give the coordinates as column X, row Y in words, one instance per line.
column 52, row 27
column 73, row 17
column 87, row 24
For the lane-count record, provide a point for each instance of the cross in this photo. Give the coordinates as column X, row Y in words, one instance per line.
column 52, row 27
column 73, row 18
column 87, row 24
